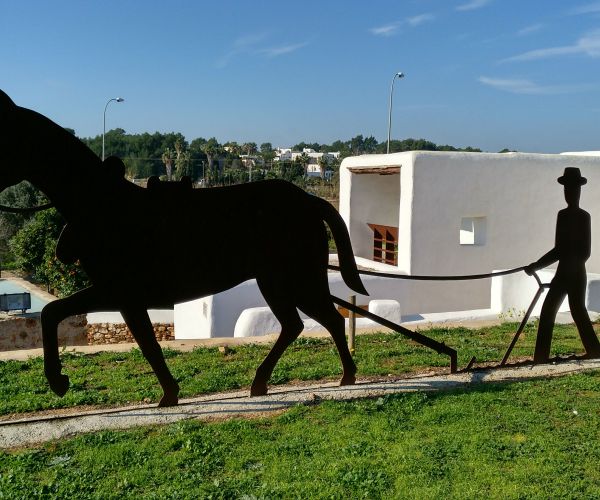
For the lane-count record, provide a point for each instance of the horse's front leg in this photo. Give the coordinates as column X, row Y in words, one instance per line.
column 52, row 314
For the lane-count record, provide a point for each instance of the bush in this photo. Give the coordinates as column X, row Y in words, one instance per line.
column 34, row 249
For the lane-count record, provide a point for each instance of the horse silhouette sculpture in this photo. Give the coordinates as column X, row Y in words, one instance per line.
column 154, row 247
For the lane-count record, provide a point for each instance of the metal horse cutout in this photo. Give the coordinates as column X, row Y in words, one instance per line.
column 152, row 248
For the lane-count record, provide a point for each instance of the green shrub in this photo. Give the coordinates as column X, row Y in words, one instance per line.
column 34, row 249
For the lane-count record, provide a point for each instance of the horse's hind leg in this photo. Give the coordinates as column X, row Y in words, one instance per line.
column 291, row 326
column 320, row 308
column 141, row 328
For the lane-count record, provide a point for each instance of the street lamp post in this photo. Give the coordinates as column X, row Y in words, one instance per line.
column 116, row 99
column 397, row 75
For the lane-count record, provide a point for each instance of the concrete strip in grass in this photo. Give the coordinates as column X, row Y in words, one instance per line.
column 50, row 426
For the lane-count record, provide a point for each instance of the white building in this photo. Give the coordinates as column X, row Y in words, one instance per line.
column 451, row 213
column 315, row 159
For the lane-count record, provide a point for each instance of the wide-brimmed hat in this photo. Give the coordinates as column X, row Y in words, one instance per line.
column 571, row 177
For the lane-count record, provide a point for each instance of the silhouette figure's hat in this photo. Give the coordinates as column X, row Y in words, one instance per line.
column 572, row 177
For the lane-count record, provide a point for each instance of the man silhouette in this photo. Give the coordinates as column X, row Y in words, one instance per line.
column 572, row 248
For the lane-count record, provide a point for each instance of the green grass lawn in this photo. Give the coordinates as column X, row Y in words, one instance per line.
column 108, row 379
column 534, row 439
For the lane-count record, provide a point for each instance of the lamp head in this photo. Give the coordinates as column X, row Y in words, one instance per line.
column 120, row 99
column 400, row 74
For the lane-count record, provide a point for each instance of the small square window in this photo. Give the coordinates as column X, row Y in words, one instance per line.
column 472, row 230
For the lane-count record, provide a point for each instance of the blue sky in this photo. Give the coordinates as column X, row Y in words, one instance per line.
column 522, row 74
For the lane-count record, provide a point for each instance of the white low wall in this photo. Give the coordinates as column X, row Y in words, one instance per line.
column 513, row 293
column 156, row 316
column 255, row 322
column 217, row 315
column 259, row 321
column 387, row 309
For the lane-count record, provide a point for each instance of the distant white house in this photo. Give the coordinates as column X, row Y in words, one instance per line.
column 315, row 159
column 251, row 161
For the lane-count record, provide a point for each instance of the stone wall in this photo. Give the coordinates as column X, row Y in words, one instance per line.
column 118, row 333
column 26, row 332
column 18, row 332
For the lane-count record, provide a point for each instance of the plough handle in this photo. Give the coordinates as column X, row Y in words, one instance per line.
column 536, row 297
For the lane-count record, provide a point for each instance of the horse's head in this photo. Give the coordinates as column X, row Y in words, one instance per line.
column 12, row 143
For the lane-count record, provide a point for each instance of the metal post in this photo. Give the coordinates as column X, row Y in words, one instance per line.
column 116, row 99
column 351, row 325
column 397, row 75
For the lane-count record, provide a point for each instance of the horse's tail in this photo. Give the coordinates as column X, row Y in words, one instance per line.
column 344, row 247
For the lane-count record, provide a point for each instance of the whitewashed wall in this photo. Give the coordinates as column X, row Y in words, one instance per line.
column 156, row 316
column 517, row 193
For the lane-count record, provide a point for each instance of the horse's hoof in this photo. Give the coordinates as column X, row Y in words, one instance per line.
column 59, row 384
column 168, row 400
column 170, row 395
column 348, row 380
column 258, row 389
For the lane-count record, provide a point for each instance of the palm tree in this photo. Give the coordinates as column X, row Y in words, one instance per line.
column 303, row 159
column 211, row 149
column 183, row 161
column 323, row 164
column 167, row 159
column 250, row 148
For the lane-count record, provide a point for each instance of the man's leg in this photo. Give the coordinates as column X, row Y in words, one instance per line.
column 582, row 320
column 552, row 303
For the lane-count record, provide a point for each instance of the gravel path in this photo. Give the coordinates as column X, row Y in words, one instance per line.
column 33, row 430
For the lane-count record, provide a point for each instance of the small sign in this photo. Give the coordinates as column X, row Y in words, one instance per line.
column 15, row 302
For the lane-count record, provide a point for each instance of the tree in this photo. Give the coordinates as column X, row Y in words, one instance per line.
column 183, row 162
column 167, row 159
column 303, row 160
column 249, row 148
column 315, row 146
column 342, row 147
column 370, row 144
column 357, row 144
column 34, row 248
column 323, row 164
column 21, row 195
column 212, row 149
column 291, row 171
column 233, row 148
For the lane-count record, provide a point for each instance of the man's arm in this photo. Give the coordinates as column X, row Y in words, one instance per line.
column 550, row 257
column 543, row 261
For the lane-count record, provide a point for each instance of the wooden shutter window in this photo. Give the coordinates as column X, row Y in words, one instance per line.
column 385, row 244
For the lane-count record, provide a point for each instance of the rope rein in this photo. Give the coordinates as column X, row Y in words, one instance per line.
column 415, row 277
